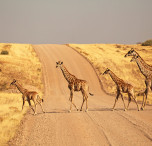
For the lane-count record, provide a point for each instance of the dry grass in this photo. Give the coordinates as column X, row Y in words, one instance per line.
column 111, row 56
column 10, row 115
column 21, row 63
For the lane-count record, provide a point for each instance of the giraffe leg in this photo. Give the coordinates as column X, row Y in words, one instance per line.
column 131, row 94
column 35, row 104
column 86, row 103
column 129, row 100
column 71, row 96
column 116, row 99
column 148, row 84
column 123, row 102
column 147, row 91
column 134, row 98
column 40, row 103
column 84, row 98
column 74, row 104
column 23, row 104
column 31, row 105
column 142, row 107
column 71, row 99
column 82, row 104
column 35, row 109
column 143, row 100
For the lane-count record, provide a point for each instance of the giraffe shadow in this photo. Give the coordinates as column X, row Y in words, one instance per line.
column 110, row 109
column 132, row 109
column 122, row 109
column 55, row 112
column 100, row 109
column 90, row 110
column 51, row 112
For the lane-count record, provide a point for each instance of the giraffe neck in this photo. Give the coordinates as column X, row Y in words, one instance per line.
column 115, row 78
column 20, row 88
column 69, row 77
column 143, row 62
column 144, row 70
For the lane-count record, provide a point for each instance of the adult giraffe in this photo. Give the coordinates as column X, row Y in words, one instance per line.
column 146, row 70
column 75, row 84
column 122, row 87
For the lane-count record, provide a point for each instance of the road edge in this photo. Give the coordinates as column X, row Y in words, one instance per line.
column 95, row 70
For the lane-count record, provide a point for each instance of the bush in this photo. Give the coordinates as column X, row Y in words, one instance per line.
column 147, row 43
column 4, row 52
column 118, row 46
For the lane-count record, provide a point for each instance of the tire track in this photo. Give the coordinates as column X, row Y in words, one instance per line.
column 100, row 128
column 96, row 116
column 138, row 124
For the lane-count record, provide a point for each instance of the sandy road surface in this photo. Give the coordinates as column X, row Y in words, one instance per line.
column 100, row 126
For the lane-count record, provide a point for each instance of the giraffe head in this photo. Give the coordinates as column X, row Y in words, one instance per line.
column 58, row 64
column 132, row 52
column 134, row 58
column 106, row 71
column 14, row 81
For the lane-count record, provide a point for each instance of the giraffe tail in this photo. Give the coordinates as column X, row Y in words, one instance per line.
column 91, row 94
column 41, row 99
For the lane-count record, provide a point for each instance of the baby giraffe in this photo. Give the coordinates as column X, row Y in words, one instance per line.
column 28, row 96
column 122, row 87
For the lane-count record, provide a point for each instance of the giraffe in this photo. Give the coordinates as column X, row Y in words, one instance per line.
column 29, row 95
column 75, row 84
column 122, row 87
column 146, row 70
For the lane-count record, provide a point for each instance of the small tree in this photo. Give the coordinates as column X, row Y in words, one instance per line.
column 4, row 52
column 147, row 43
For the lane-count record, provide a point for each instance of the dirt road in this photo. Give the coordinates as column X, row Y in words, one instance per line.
column 100, row 126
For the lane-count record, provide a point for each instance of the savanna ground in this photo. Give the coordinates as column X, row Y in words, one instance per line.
column 111, row 56
column 20, row 62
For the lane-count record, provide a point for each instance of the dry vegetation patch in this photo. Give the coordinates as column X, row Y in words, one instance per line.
column 111, row 56
column 20, row 62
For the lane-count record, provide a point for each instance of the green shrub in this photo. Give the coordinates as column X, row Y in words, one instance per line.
column 147, row 43
column 4, row 52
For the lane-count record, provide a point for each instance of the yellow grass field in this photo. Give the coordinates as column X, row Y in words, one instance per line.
column 111, row 56
column 20, row 62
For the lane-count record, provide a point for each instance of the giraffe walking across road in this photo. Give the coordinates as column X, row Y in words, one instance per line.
column 75, row 84
column 29, row 95
column 122, row 87
column 146, row 70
